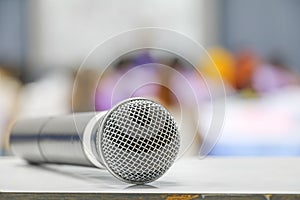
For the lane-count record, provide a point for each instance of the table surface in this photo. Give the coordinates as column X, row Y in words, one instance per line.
column 208, row 176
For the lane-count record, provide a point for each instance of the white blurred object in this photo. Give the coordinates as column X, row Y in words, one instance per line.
column 50, row 95
column 79, row 25
column 261, row 127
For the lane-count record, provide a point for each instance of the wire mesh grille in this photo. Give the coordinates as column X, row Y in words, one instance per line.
column 140, row 141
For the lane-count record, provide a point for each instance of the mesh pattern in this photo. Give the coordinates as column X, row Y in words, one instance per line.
column 139, row 141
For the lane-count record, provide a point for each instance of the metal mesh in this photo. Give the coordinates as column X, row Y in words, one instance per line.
column 139, row 141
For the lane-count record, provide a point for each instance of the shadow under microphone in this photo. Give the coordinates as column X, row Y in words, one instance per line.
column 137, row 140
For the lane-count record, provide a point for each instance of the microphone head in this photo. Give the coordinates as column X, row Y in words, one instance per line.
column 138, row 140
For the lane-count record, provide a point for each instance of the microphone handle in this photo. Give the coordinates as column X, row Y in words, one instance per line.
column 58, row 139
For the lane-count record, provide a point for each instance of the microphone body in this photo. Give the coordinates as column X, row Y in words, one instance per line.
column 60, row 140
column 136, row 141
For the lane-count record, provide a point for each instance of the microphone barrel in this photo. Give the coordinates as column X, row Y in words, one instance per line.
column 55, row 139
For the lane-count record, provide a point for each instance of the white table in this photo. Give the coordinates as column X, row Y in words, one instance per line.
column 211, row 178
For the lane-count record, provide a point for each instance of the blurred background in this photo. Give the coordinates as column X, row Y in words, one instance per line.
column 254, row 44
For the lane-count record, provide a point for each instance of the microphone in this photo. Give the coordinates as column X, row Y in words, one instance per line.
column 137, row 140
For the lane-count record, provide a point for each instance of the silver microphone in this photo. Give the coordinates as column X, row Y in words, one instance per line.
column 137, row 140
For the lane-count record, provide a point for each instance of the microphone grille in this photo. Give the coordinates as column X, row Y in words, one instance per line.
column 138, row 140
